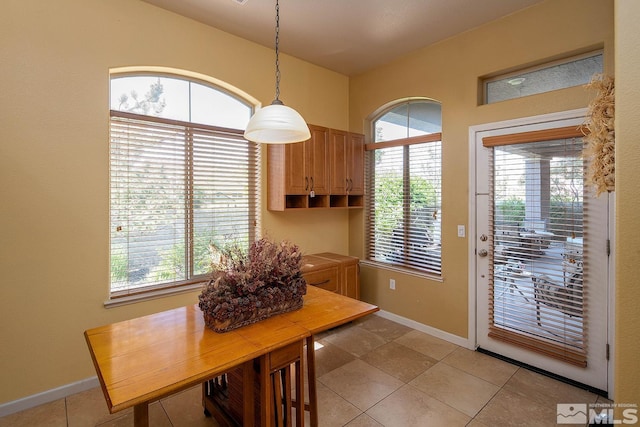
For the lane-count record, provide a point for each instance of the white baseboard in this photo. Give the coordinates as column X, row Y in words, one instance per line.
column 454, row 339
column 48, row 396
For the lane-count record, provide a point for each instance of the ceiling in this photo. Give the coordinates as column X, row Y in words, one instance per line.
column 347, row 36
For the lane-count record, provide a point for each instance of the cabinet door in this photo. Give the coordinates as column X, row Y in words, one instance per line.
column 317, row 158
column 355, row 164
column 338, row 152
column 351, row 280
column 296, row 179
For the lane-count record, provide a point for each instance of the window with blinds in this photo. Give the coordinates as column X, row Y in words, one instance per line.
column 540, row 283
column 404, row 179
column 176, row 188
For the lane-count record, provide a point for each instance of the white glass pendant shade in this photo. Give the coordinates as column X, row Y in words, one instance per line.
column 277, row 124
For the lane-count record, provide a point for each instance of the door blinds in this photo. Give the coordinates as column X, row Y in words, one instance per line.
column 176, row 188
column 539, row 279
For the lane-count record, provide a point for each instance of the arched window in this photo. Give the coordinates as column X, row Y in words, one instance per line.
column 183, row 178
column 405, row 186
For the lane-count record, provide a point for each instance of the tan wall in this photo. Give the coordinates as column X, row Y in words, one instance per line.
column 55, row 58
column 54, row 64
column 449, row 72
column 627, row 331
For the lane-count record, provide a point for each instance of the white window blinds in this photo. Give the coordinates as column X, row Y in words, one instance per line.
column 540, row 281
column 404, row 207
column 176, row 188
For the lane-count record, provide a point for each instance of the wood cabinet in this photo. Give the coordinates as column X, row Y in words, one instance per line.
column 333, row 272
column 306, row 167
column 346, row 163
column 327, row 171
column 355, row 164
column 338, row 148
column 321, row 272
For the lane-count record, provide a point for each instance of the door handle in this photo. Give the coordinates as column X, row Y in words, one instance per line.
column 482, row 253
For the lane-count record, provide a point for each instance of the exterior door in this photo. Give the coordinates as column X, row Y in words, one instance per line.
column 542, row 251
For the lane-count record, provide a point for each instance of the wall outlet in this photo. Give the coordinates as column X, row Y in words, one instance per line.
column 392, row 284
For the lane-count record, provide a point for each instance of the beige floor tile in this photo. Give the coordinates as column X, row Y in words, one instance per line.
column 52, row 414
column 185, row 409
column 545, row 390
column 409, row 406
column 330, row 357
column 512, row 409
column 483, row 366
column 427, row 344
column 475, row 423
column 399, row 361
column 333, row 410
column 364, row 420
column 387, row 329
column 360, row 383
column 355, row 340
column 602, row 399
column 157, row 418
column 89, row 408
column 462, row 391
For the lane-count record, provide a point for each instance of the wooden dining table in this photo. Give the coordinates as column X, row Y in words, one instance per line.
column 142, row 360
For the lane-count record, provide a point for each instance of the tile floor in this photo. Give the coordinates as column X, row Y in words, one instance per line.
column 372, row 372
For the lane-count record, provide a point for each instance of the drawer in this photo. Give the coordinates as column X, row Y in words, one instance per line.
column 284, row 356
column 325, row 278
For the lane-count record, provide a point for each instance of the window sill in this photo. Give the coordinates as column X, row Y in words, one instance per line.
column 151, row 295
column 403, row 270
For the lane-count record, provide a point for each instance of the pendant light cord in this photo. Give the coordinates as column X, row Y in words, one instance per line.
column 277, row 100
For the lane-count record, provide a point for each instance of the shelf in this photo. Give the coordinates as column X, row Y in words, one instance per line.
column 318, row 202
column 356, row 201
column 296, row 202
column 338, row 201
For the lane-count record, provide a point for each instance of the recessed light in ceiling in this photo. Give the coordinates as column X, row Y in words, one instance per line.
column 241, row 1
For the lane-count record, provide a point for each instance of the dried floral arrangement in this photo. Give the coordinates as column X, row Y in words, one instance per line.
column 250, row 287
column 600, row 138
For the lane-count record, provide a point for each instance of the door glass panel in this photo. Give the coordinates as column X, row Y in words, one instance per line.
column 538, row 236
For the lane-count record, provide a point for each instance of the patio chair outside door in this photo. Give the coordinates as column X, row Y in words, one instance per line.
column 542, row 263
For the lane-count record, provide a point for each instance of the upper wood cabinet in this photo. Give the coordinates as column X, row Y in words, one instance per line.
column 338, row 147
column 355, row 164
column 327, row 171
column 346, row 162
column 305, row 166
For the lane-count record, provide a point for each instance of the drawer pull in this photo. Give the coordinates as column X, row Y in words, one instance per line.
column 320, row 283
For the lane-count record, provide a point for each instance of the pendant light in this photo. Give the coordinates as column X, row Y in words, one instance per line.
column 277, row 123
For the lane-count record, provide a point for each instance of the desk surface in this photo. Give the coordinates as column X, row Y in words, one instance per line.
column 147, row 358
